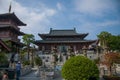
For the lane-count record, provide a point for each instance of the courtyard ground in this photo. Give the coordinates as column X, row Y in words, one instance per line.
column 33, row 76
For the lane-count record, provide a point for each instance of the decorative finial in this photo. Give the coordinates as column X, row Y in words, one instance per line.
column 50, row 28
column 74, row 29
column 10, row 7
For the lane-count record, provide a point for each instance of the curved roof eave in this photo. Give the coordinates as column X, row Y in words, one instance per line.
column 49, row 35
column 19, row 22
column 84, row 41
column 13, row 17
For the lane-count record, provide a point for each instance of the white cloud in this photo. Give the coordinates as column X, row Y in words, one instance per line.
column 91, row 11
column 59, row 6
column 37, row 19
column 108, row 23
column 4, row 5
column 94, row 7
column 95, row 26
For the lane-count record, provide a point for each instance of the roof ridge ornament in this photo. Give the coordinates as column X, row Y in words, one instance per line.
column 50, row 30
column 74, row 29
column 10, row 6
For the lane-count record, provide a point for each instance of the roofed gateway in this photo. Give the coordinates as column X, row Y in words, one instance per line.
column 63, row 41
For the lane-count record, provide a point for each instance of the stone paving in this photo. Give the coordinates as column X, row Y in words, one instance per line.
column 30, row 76
column 33, row 76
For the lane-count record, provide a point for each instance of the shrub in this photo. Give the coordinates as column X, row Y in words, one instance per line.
column 26, row 63
column 3, row 58
column 111, row 77
column 80, row 68
column 38, row 61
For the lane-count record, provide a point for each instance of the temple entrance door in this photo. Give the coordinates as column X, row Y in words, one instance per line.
column 63, row 49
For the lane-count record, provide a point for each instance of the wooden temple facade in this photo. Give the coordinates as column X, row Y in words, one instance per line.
column 9, row 30
column 63, row 41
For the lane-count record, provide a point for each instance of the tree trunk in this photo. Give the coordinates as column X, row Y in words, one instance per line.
column 110, row 70
column 28, row 53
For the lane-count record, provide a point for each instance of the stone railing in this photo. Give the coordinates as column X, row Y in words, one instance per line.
column 25, row 70
column 47, row 75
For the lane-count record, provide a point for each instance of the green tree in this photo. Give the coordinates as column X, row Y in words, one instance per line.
column 114, row 42
column 80, row 68
column 103, row 37
column 110, row 41
column 22, row 54
column 28, row 39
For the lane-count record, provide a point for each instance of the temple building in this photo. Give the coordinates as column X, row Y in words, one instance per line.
column 9, row 30
column 63, row 41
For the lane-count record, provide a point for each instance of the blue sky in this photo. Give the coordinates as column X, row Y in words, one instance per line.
column 87, row 16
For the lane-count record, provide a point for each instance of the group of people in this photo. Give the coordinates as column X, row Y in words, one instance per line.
column 17, row 72
column 14, row 61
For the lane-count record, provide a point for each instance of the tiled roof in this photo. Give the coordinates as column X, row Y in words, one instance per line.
column 12, row 29
column 13, row 17
column 63, row 36
column 63, row 33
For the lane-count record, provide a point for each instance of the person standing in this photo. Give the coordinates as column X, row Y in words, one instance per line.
column 11, row 65
column 18, row 68
column 16, row 57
